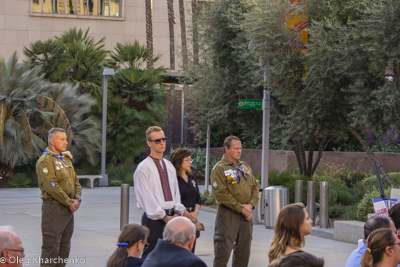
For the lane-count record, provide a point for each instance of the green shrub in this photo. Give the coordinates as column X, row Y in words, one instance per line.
column 288, row 179
column 211, row 199
column 350, row 213
column 121, row 174
column 336, row 210
column 204, row 195
column 365, row 206
column 20, row 180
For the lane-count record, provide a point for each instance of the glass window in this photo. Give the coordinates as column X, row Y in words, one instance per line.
column 80, row 7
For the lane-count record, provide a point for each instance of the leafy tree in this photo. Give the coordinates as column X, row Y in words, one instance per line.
column 137, row 102
column 224, row 72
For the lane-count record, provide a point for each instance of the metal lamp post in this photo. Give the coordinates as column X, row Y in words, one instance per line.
column 104, row 181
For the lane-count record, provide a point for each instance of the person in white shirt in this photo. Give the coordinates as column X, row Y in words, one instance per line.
column 156, row 188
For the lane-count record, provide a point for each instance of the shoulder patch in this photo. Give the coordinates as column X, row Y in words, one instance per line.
column 53, row 184
column 45, row 170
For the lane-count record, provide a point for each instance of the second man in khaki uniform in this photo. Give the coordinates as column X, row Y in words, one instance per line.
column 236, row 192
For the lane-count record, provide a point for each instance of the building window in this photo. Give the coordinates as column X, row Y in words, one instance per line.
column 107, row 8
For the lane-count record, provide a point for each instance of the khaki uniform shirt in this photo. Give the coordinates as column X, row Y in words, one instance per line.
column 227, row 190
column 57, row 180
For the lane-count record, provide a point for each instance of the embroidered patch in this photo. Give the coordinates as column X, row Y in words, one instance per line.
column 215, row 184
column 53, row 184
column 57, row 168
column 45, row 170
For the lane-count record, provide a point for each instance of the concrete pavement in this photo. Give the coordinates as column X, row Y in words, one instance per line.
column 97, row 228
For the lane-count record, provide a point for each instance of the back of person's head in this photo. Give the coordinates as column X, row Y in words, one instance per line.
column 179, row 231
column 394, row 213
column 7, row 237
column 130, row 235
column 377, row 242
column 287, row 230
column 298, row 259
column 374, row 223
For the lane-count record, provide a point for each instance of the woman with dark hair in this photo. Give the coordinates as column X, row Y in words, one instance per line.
column 383, row 249
column 132, row 241
column 292, row 225
column 190, row 195
column 298, row 259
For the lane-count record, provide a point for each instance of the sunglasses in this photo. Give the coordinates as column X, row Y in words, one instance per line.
column 157, row 141
column 16, row 250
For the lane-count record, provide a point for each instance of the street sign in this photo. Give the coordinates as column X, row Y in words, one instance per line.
column 250, row 104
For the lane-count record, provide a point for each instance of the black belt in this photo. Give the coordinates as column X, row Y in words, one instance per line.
column 170, row 212
column 190, row 209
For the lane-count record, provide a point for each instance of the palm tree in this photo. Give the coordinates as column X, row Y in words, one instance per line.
column 138, row 101
column 74, row 57
column 171, row 22
column 30, row 106
column 20, row 88
column 149, row 31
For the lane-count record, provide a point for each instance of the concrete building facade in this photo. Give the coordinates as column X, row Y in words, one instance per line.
column 25, row 21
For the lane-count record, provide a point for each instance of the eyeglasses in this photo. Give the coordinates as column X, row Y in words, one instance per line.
column 188, row 160
column 16, row 250
column 157, row 141
column 146, row 245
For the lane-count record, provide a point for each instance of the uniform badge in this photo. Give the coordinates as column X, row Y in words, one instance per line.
column 45, row 170
column 194, row 183
column 57, row 168
column 53, row 184
column 233, row 174
column 215, row 184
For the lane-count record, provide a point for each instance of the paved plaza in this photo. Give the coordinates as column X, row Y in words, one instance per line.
column 97, row 228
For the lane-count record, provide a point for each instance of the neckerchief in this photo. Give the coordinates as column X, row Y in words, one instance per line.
column 163, row 173
column 240, row 169
column 46, row 151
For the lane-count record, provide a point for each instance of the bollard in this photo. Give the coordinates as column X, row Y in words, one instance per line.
column 324, row 205
column 311, row 200
column 298, row 193
column 124, row 205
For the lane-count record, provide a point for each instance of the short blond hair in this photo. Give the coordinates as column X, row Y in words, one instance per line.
column 152, row 129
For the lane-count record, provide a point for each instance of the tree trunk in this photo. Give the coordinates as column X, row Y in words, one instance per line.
column 321, row 150
column 171, row 22
column 195, row 14
column 298, row 150
column 310, row 156
column 6, row 172
column 149, row 31
column 183, row 34
column 370, row 154
column 171, row 113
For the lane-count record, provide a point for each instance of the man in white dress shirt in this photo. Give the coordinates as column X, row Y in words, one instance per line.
column 156, row 188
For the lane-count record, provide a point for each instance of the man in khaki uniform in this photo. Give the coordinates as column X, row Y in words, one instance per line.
column 61, row 192
column 236, row 192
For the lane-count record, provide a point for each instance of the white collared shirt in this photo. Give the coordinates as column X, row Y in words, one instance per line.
column 148, row 189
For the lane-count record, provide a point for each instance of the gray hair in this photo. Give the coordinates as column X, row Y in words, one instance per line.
column 6, row 237
column 179, row 231
column 52, row 134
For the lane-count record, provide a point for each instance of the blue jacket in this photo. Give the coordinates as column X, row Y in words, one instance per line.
column 170, row 255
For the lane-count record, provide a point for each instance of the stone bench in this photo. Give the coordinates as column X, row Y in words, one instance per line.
column 348, row 231
column 89, row 182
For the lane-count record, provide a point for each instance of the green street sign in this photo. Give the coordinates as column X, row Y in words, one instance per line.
column 250, row 104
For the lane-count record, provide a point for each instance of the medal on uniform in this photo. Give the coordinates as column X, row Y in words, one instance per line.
column 57, row 168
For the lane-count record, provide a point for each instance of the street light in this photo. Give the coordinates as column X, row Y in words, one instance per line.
column 104, row 181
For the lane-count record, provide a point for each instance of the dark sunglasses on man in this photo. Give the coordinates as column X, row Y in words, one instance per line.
column 15, row 250
column 157, row 141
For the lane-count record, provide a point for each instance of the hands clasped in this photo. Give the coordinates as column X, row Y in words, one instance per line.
column 246, row 211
